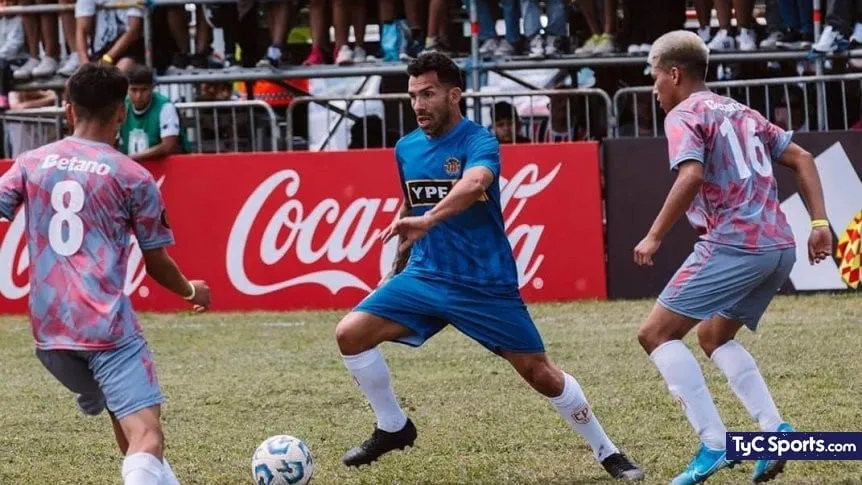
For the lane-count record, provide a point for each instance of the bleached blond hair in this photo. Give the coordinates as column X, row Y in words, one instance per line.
column 681, row 49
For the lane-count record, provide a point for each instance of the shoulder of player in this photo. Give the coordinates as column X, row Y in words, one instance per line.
column 408, row 139
column 478, row 134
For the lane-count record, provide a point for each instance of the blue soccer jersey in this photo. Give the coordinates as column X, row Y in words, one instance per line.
column 472, row 246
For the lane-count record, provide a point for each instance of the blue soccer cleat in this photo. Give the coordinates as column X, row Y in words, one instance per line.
column 766, row 470
column 704, row 465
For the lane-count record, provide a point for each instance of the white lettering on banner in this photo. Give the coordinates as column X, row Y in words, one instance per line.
column 15, row 239
column 354, row 246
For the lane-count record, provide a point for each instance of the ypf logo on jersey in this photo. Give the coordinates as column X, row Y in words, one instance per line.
column 428, row 192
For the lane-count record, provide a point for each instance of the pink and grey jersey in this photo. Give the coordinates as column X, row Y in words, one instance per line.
column 83, row 202
column 738, row 202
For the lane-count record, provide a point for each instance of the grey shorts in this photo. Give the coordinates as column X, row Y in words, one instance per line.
column 735, row 283
column 123, row 379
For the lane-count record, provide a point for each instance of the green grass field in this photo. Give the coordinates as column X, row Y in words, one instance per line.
column 231, row 380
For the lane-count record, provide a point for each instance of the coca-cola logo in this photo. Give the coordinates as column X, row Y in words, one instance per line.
column 352, row 236
column 15, row 261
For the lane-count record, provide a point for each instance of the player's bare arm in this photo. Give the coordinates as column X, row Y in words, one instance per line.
column 464, row 193
column 688, row 183
column 162, row 268
column 402, row 254
column 808, row 180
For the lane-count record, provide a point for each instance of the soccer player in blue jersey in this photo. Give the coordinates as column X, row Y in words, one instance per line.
column 460, row 271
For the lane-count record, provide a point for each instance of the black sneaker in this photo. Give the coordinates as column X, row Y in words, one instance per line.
column 380, row 443
column 620, row 467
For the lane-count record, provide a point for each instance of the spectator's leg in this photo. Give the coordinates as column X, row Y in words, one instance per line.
column 31, row 35
column 49, row 34
column 723, row 10
column 704, row 12
column 341, row 23
column 744, row 13
column 805, row 13
column 5, row 83
column 360, row 20
column 512, row 18
column 611, row 17
column 588, row 10
column 437, row 18
column 486, row 22
column 558, row 18
column 203, row 40
column 68, row 21
column 839, row 14
column 413, row 11
column 319, row 31
column 723, row 40
column 178, row 25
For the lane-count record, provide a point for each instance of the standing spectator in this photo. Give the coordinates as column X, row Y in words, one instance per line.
column 345, row 12
column 557, row 28
column 152, row 126
column 11, row 52
column 602, row 41
column 39, row 28
column 492, row 45
column 723, row 41
column 116, row 34
column 843, row 26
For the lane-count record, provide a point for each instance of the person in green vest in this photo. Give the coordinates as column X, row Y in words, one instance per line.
column 152, row 127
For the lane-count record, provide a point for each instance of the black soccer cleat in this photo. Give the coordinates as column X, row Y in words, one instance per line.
column 380, row 443
column 620, row 467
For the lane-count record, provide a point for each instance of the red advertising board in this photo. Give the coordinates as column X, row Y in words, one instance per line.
column 300, row 230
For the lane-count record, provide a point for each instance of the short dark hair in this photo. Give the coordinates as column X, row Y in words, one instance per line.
column 96, row 90
column 504, row 111
column 447, row 71
column 141, row 74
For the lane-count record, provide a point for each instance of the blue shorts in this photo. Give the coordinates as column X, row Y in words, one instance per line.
column 735, row 283
column 123, row 379
column 495, row 317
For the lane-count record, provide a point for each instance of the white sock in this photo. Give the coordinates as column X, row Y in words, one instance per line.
column 574, row 408
column 685, row 381
column 142, row 469
column 745, row 380
column 370, row 371
column 168, row 477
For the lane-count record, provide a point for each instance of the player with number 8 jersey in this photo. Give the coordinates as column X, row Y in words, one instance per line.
column 84, row 201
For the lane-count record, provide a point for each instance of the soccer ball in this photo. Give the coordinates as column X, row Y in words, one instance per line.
column 282, row 460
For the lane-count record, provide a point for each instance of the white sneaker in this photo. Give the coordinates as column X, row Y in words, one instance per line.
column 703, row 33
column 722, row 41
column 857, row 34
column 537, row 47
column 552, row 43
column 70, row 65
column 605, row 45
column 829, row 41
column 771, row 42
column 634, row 49
column 589, row 46
column 26, row 71
column 645, row 48
column 345, row 56
column 359, row 55
column 504, row 49
column 488, row 47
column 747, row 40
column 46, row 68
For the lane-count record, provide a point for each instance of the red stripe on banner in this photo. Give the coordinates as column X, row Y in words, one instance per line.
column 818, row 17
column 286, row 231
column 474, row 28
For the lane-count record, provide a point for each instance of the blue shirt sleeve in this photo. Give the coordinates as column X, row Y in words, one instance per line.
column 483, row 150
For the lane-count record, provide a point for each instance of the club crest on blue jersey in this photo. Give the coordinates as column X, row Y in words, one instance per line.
column 452, row 166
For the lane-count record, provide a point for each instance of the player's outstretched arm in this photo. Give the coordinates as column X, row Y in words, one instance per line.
column 162, row 268
column 11, row 191
column 685, row 188
column 464, row 193
column 800, row 161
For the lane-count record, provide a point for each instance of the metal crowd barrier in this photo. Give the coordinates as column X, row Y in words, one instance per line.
column 812, row 100
column 380, row 120
column 212, row 127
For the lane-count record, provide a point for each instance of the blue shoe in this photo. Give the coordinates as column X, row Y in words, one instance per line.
column 766, row 470
column 704, row 465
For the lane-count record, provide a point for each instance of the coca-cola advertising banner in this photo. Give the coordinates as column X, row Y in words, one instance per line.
column 301, row 230
column 636, row 188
